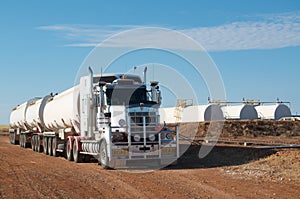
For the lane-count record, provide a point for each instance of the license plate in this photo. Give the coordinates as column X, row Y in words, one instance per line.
column 170, row 151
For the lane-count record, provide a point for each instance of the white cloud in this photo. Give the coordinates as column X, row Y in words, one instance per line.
column 82, row 44
column 83, row 33
column 258, row 32
column 276, row 32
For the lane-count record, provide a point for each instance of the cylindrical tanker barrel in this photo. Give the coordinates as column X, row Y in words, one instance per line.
column 17, row 116
column 34, row 113
column 61, row 109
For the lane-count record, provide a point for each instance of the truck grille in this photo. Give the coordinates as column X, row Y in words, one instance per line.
column 143, row 124
column 137, row 121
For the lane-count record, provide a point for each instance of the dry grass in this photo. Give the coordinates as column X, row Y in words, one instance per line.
column 283, row 166
column 4, row 129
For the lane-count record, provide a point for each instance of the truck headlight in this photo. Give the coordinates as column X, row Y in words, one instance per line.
column 152, row 137
column 122, row 122
column 137, row 137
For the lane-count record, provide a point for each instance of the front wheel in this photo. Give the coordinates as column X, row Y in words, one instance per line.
column 103, row 157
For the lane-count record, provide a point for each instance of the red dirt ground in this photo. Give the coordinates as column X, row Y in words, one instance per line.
column 28, row 174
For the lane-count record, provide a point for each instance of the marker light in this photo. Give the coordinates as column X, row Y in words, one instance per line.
column 122, row 122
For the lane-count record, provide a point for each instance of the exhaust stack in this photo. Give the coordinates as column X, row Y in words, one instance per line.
column 91, row 101
column 145, row 75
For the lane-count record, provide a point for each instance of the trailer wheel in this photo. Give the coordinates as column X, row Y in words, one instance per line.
column 33, row 142
column 21, row 140
column 24, row 141
column 45, row 145
column 69, row 151
column 54, row 146
column 103, row 158
column 76, row 153
column 50, row 146
column 12, row 137
column 38, row 143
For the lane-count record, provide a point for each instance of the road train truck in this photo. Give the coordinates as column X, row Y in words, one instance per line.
column 111, row 117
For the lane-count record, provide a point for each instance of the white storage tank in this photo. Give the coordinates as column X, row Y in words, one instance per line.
column 240, row 112
column 202, row 113
column 273, row 112
column 167, row 115
column 197, row 113
column 61, row 109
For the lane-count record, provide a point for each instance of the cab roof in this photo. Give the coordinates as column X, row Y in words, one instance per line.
column 110, row 77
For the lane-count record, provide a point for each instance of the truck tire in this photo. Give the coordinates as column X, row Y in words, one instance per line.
column 25, row 144
column 76, row 153
column 33, row 140
column 45, row 145
column 21, row 140
column 24, row 141
column 50, row 146
column 103, row 157
column 69, row 151
column 54, row 146
column 12, row 137
column 38, row 143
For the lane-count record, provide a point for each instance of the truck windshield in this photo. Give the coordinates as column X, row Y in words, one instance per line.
column 126, row 96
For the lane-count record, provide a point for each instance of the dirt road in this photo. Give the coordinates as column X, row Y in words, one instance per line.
column 28, row 174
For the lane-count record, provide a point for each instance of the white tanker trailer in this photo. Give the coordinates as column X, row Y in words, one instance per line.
column 112, row 117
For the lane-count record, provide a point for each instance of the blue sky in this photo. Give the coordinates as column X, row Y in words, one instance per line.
column 255, row 44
